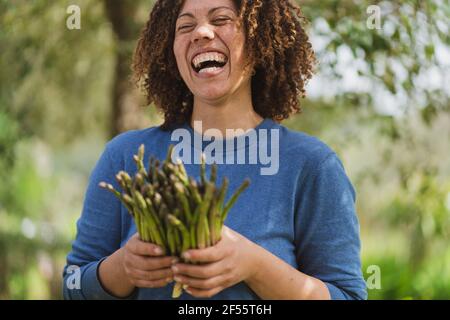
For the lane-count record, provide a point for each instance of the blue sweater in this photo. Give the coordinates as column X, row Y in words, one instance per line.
column 304, row 213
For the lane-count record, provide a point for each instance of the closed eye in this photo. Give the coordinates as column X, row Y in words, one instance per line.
column 184, row 27
column 221, row 20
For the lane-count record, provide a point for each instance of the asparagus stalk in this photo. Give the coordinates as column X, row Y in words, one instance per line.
column 181, row 197
column 156, row 220
column 212, row 218
column 203, row 228
column 142, row 205
column 116, row 193
column 139, row 159
column 186, row 243
column 233, row 199
column 193, row 188
column 213, row 173
column 203, row 169
column 193, row 228
column 219, row 207
column 181, row 172
column 171, row 238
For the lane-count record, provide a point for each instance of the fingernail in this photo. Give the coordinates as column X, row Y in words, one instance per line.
column 158, row 251
column 175, row 260
column 177, row 279
column 174, row 269
column 186, row 255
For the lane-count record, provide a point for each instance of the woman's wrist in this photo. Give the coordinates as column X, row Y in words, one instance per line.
column 272, row 278
column 112, row 276
column 256, row 256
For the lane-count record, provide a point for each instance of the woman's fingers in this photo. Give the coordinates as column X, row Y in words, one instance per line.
column 139, row 247
column 200, row 271
column 203, row 284
column 149, row 263
column 207, row 255
column 145, row 264
column 150, row 284
column 162, row 274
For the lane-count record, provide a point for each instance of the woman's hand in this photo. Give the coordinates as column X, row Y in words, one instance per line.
column 145, row 264
column 223, row 265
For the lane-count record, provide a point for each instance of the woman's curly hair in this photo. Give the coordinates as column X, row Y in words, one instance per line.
column 276, row 44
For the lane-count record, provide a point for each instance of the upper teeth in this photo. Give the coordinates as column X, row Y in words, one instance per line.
column 208, row 56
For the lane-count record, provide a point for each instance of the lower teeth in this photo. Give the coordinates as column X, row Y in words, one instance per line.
column 212, row 69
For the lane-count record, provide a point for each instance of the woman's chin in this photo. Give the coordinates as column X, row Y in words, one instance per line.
column 211, row 95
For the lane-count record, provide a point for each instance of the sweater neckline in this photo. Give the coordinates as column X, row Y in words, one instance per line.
column 229, row 144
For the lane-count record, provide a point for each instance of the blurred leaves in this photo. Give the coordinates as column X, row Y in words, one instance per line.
column 421, row 209
column 412, row 39
column 41, row 50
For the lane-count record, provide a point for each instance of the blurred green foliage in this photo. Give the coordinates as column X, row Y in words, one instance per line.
column 56, row 92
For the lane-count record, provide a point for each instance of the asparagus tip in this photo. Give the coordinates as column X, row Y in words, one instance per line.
column 106, row 186
column 177, row 290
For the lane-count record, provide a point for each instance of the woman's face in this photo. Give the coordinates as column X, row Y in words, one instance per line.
column 210, row 49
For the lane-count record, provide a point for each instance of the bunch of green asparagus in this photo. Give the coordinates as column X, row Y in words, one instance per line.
column 171, row 209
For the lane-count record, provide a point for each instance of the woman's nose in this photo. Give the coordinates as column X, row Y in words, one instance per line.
column 203, row 32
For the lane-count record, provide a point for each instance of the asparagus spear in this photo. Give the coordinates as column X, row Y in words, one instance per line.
column 213, row 173
column 219, row 207
column 186, row 243
column 181, row 197
column 233, row 199
column 181, row 172
column 139, row 159
column 110, row 188
column 203, row 228
column 193, row 228
column 156, row 220
column 171, row 238
column 193, row 188
column 212, row 218
column 142, row 205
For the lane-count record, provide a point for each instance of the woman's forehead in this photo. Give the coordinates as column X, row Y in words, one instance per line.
column 206, row 6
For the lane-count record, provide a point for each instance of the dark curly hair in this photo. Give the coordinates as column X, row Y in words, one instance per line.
column 276, row 44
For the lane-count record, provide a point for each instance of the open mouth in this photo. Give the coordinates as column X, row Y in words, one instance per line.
column 209, row 62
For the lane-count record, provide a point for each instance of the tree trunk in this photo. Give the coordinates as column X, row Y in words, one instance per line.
column 126, row 111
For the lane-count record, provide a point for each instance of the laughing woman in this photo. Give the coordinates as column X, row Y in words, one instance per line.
column 294, row 233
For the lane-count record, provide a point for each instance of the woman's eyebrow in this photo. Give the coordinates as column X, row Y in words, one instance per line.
column 210, row 12
column 187, row 14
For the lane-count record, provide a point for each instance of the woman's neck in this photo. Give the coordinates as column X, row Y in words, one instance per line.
column 236, row 112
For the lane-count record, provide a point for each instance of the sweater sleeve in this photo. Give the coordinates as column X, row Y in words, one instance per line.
column 327, row 230
column 98, row 235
